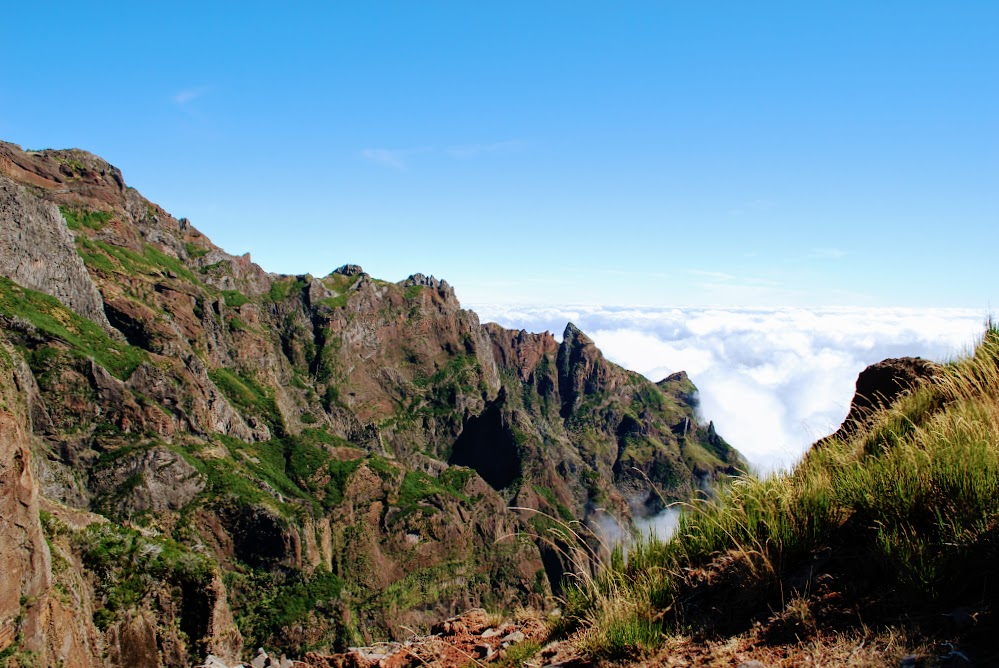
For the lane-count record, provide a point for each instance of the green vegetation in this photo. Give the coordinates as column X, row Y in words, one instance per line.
column 266, row 603
column 337, row 301
column 234, row 298
column 282, row 288
column 77, row 219
column 117, row 259
column 161, row 260
column 249, row 397
column 313, row 469
column 417, row 485
column 84, row 338
column 129, row 566
column 553, row 501
column 195, row 251
column 913, row 497
column 341, row 285
column 428, row 585
column 299, row 468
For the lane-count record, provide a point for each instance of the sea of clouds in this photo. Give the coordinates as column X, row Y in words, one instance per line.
column 772, row 380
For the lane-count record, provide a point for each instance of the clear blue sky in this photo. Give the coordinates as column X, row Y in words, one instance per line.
column 750, row 153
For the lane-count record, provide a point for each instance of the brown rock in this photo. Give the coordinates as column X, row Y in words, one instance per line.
column 881, row 384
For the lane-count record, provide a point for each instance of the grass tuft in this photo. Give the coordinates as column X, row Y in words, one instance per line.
column 914, row 494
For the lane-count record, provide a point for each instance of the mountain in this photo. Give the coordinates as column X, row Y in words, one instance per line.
column 198, row 456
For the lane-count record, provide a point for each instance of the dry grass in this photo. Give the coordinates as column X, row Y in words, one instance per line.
column 912, row 500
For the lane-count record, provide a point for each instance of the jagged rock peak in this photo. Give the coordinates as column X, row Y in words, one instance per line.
column 349, row 270
column 441, row 286
column 427, row 281
column 575, row 336
column 674, row 377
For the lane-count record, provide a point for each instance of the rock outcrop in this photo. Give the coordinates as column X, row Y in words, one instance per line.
column 37, row 251
column 34, row 619
column 880, row 384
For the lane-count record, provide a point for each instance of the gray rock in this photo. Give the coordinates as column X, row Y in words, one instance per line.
column 159, row 478
column 260, row 660
column 514, row 638
column 349, row 270
column 37, row 251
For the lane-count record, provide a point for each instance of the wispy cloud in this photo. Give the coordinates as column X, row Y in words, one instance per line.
column 472, row 150
column 754, row 206
column 828, row 253
column 189, row 95
column 396, row 159
column 393, row 158
column 733, row 280
column 400, row 158
column 716, row 275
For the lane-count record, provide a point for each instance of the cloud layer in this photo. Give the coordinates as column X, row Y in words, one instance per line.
column 772, row 380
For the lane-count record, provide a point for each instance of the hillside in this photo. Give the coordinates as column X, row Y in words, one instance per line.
column 200, row 457
column 878, row 549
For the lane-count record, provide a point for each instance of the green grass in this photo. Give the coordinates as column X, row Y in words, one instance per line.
column 341, row 285
column 916, row 493
column 298, row 467
column 313, row 469
column 417, row 485
column 284, row 287
column 337, row 301
column 77, row 219
column 234, row 298
column 195, row 251
column 117, row 259
column 249, row 397
column 518, row 655
column 553, row 501
column 266, row 604
column 129, row 566
column 84, row 338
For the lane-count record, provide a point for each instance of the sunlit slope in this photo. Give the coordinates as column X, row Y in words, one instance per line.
column 890, row 526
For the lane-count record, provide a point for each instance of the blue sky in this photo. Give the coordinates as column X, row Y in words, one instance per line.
column 661, row 153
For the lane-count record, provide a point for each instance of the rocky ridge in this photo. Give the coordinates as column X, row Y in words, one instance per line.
column 202, row 455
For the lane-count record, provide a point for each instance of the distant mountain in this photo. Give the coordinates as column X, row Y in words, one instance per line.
column 198, row 456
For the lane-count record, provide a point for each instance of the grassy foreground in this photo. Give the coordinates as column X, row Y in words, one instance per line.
column 893, row 530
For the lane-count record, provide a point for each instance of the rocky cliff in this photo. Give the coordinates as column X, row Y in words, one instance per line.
column 197, row 455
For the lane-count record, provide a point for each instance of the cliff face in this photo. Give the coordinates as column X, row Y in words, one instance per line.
column 220, row 455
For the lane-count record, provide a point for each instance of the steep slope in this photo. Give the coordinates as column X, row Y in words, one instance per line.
column 319, row 461
column 883, row 539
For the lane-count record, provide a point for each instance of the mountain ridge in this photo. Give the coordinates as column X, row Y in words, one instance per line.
column 306, row 462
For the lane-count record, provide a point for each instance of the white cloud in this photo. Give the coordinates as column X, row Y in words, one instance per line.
column 828, row 253
column 189, row 95
column 772, row 380
column 396, row 159
column 399, row 158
